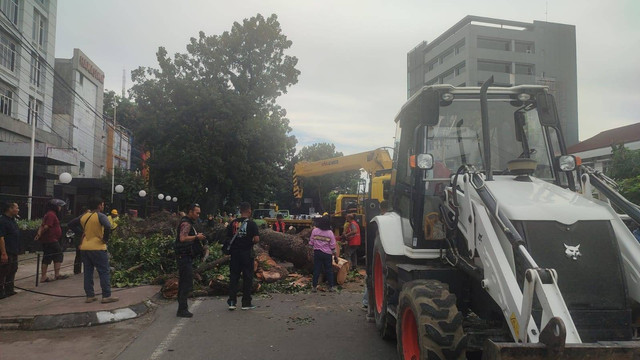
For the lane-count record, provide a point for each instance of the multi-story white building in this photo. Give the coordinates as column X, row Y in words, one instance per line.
column 78, row 98
column 27, row 45
column 513, row 52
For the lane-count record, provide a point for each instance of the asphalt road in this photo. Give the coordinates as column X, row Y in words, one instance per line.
column 299, row 326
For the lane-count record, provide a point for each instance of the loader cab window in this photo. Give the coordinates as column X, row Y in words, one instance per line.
column 457, row 138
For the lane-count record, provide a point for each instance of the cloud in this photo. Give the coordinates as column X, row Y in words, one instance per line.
column 352, row 54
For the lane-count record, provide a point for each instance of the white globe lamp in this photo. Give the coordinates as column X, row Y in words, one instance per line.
column 65, row 178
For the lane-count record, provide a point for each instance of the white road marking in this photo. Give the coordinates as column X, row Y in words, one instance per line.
column 164, row 345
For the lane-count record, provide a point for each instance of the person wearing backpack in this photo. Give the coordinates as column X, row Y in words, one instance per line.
column 243, row 233
column 184, row 247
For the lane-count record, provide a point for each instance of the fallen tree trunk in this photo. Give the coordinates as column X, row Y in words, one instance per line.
column 287, row 247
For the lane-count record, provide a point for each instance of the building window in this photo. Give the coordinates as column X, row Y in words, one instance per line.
column 7, row 52
column 525, row 69
column 461, row 68
column 10, row 8
column 525, row 47
column 33, row 111
column 494, row 66
column 36, row 67
column 446, row 56
column 81, row 169
column 39, row 27
column 432, row 65
column 447, row 77
column 494, row 44
column 6, row 101
column 459, row 46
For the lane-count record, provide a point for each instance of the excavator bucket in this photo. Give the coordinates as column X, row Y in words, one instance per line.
column 613, row 350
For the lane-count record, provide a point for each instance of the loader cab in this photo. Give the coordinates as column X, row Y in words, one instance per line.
column 445, row 124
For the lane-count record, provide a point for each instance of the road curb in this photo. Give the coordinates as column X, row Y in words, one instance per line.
column 81, row 319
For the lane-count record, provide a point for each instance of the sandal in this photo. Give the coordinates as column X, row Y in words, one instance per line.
column 62, row 277
column 48, row 280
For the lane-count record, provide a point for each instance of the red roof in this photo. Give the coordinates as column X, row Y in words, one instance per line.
column 621, row 135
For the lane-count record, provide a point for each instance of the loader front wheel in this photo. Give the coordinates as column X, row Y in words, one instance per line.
column 429, row 324
column 381, row 288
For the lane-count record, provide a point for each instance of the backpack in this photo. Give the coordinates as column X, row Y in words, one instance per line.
column 226, row 246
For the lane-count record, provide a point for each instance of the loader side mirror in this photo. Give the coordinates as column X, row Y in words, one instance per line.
column 421, row 161
column 547, row 109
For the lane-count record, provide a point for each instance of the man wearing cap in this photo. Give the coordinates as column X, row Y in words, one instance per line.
column 49, row 234
column 113, row 218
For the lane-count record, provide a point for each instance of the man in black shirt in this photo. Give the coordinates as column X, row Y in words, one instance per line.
column 244, row 232
column 185, row 239
column 9, row 248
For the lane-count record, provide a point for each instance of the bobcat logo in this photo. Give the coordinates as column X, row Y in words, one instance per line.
column 572, row 252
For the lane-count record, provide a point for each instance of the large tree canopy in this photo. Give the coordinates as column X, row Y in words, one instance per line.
column 210, row 119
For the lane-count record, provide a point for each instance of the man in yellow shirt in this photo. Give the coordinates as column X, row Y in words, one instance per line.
column 96, row 228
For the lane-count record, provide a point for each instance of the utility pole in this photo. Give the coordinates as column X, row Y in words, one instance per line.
column 31, row 161
column 113, row 149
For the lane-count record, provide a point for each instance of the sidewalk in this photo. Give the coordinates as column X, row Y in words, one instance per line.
column 31, row 311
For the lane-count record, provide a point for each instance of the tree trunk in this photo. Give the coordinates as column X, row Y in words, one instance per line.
column 287, row 247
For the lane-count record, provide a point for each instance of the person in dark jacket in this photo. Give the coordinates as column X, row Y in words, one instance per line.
column 184, row 256
column 244, row 232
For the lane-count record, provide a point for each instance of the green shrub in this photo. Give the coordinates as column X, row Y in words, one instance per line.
column 33, row 224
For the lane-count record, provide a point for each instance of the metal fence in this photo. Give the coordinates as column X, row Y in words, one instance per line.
column 38, row 204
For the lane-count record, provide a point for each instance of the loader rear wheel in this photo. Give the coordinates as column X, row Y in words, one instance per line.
column 429, row 324
column 381, row 286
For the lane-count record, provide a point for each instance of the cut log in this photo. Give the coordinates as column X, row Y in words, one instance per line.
column 301, row 282
column 170, row 288
column 267, row 267
column 341, row 269
column 289, row 248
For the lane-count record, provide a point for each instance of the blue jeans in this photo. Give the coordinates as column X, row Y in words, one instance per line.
column 322, row 260
column 100, row 260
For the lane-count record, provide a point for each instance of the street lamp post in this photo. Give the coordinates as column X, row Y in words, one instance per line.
column 168, row 198
column 119, row 189
column 160, row 197
column 143, row 203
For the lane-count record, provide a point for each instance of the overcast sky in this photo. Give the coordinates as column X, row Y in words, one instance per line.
column 352, row 54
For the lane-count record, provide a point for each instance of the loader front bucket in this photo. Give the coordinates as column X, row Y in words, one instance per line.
column 609, row 350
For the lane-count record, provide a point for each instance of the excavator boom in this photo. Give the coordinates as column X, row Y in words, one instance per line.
column 369, row 161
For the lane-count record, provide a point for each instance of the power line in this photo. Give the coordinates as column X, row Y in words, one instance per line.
column 26, row 41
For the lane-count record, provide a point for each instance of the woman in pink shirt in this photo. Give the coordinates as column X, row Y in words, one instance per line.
column 324, row 248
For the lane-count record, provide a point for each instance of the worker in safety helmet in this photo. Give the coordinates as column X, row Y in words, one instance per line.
column 113, row 218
